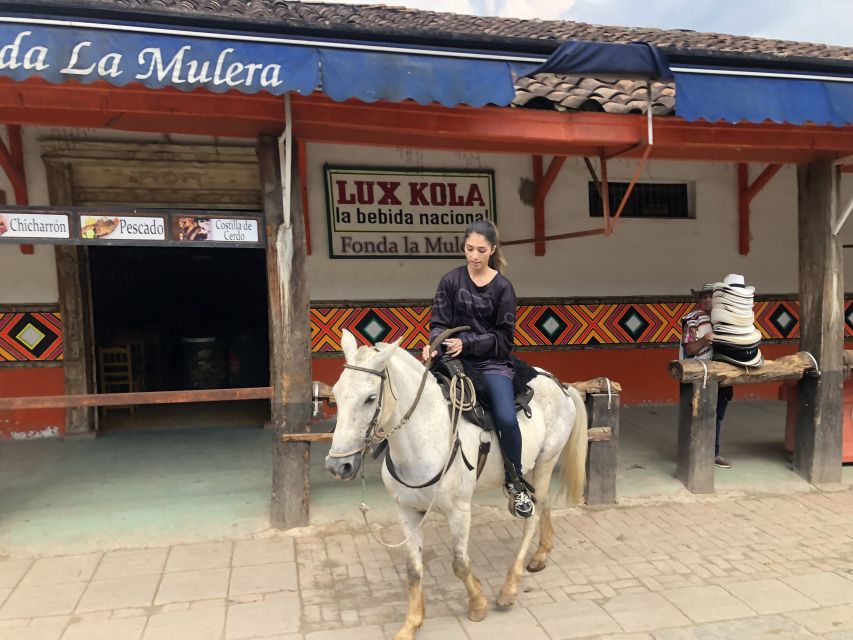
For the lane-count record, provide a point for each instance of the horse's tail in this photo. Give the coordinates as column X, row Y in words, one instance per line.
column 573, row 457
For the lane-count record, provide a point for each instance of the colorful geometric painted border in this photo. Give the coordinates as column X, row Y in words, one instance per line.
column 29, row 336
column 553, row 325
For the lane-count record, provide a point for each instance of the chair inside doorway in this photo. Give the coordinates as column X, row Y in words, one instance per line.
column 115, row 369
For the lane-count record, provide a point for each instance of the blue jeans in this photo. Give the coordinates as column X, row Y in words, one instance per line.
column 502, row 400
column 724, row 396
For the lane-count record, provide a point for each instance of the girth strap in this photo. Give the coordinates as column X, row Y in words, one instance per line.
column 482, row 456
column 389, row 464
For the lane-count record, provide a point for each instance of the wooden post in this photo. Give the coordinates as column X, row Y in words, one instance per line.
column 817, row 443
column 603, row 455
column 75, row 308
column 290, row 364
column 697, row 423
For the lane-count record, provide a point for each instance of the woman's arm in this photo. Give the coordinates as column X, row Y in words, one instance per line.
column 442, row 308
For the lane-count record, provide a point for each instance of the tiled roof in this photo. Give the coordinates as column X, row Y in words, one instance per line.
column 572, row 93
column 411, row 22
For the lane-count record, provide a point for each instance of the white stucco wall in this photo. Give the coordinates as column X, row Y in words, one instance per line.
column 642, row 257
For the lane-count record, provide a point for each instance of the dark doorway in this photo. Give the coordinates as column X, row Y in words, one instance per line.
column 186, row 318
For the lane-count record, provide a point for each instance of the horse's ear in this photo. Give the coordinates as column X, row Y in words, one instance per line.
column 349, row 346
column 386, row 350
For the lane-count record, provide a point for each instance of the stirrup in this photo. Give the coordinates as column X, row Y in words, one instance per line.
column 515, row 476
column 520, row 497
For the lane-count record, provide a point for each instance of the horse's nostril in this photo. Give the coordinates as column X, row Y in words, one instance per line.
column 346, row 469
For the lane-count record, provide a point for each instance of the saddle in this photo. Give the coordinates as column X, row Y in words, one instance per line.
column 445, row 369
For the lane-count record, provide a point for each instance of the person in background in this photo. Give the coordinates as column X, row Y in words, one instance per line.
column 697, row 341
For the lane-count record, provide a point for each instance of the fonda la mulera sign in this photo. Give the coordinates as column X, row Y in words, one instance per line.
column 411, row 213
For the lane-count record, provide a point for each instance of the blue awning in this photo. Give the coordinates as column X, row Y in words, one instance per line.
column 701, row 94
column 158, row 57
column 576, row 57
column 371, row 76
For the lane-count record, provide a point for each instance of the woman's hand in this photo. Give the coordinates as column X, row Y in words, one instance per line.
column 425, row 353
column 453, row 347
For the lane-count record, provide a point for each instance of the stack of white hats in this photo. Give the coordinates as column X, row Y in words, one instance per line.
column 736, row 338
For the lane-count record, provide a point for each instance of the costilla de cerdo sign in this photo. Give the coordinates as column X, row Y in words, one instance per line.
column 404, row 213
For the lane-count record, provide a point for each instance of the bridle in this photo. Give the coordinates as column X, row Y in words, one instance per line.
column 375, row 432
column 372, row 433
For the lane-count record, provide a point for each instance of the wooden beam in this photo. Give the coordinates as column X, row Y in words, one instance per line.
column 487, row 129
column 595, row 434
column 605, row 196
column 746, row 193
column 13, row 169
column 639, row 169
column 785, row 368
column 290, row 361
column 134, row 398
column 538, row 208
column 543, row 186
column 597, row 385
column 743, row 208
column 302, row 157
column 818, row 438
column 559, row 236
column 306, row 437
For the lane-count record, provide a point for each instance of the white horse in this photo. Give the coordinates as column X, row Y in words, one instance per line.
column 421, row 447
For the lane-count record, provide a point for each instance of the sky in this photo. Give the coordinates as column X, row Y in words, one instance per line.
column 824, row 21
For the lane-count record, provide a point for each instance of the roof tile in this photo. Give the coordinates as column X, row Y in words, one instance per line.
column 400, row 20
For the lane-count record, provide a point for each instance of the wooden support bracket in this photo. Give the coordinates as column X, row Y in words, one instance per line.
column 543, row 183
column 746, row 193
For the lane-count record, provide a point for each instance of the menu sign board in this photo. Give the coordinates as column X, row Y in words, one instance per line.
column 30, row 225
column 131, row 227
column 199, row 229
column 412, row 213
column 122, row 228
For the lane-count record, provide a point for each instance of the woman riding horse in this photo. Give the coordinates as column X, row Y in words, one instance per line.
column 478, row 295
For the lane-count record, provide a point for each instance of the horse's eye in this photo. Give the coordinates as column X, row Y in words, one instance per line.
column 370, row 399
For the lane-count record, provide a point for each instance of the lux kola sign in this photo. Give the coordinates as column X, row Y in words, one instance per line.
column 411, row 213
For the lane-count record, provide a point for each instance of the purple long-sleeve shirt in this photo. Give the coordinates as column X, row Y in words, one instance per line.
column 488, row 310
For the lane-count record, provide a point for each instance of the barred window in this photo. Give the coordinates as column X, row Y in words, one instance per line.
column 670, row 200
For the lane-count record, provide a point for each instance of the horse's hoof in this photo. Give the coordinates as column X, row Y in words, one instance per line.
column 477, row 615
column 505, row 601
column 404, row 634
column 536, row 566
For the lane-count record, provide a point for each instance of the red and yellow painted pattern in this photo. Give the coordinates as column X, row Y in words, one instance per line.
column 582, row 325
column 30, row 336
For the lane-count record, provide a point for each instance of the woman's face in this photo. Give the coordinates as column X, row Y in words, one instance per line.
column 478, row 250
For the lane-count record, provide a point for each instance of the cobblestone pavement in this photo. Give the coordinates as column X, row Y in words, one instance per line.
column 758, row 568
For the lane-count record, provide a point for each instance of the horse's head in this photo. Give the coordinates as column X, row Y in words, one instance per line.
column 359, row 397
